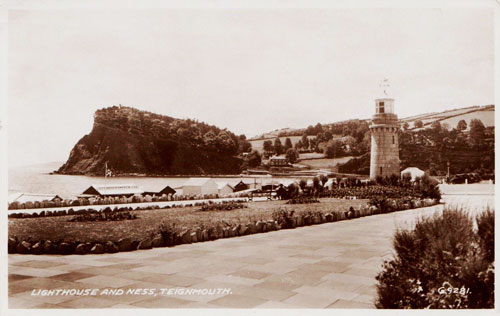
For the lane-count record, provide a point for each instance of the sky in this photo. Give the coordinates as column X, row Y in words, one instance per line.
column 248, row 70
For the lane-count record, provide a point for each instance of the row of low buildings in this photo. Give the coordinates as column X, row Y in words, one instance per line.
column 192, row 187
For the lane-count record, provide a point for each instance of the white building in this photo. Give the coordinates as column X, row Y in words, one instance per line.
column 32, row 197
column 119, row 190
column 200, row 186
column 413, row 172
column 330, row 184
column 224, row 188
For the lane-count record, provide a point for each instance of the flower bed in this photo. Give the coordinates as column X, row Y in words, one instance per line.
column 224, row 206
column 302, row 200
column 89, row 211
column 217, row 225
column 103, row 216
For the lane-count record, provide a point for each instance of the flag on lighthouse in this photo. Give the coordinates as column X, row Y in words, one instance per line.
column 107, row 172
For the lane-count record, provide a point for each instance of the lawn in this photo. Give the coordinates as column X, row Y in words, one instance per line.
column 59, row 228
column 324, row 163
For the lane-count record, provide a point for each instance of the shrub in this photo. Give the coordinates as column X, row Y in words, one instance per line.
column 103, row 216
column 428, row 187
column 224, row 206
column 168, row 231
column 302, row 200
column 441, row 253
column 284, row 218
column 380, row 202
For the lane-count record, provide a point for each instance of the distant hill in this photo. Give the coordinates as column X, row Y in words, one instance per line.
column 423, row 147
column 486, row 114
column 450, row 117
column 136, row 142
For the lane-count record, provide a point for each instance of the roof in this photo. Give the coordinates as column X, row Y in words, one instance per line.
column 196, row 182
column 271, row 182
column 31, row 197
column 330, row 181
column 278, row 158
column 287, row 182
column 413, row 170
column 116, row 189
column 220, row 185
column 158, row 188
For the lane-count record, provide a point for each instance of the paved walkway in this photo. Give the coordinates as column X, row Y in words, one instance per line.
column 330, row 265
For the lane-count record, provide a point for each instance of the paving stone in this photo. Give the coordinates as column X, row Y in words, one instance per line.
column 162, row 302
column 35, row 272
column 47, row 306
column 237, row 301
column 275, row 304
column 250, row 274
column 106, row 281
column 87, row 302
column 99, row 271
column 14, row 288
column 71, row 276
column 174, row 279
column 17, row 277
column 16, row 303
column 363, row 298
column 310, row 301
column 350, row 304
column 325, row 292
column 233, row 279
column 280, row 284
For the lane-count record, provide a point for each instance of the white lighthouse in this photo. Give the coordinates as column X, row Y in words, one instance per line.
column 384, row 160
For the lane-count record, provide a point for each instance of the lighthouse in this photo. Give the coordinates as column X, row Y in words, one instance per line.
column 384, row 160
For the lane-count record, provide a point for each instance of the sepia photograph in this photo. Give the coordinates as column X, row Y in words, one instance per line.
column 249, row 156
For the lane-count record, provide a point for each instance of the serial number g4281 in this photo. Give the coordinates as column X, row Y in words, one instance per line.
column 453, row 290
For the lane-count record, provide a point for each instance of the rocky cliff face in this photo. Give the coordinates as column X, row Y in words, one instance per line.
column 137, row 142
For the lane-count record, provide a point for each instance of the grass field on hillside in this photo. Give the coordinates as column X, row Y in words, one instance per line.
column 324, row 163
column 259, row 143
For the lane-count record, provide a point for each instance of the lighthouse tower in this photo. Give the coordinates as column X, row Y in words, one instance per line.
column 384, row 159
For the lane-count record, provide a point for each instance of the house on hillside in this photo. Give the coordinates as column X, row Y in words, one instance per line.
column 200, row 186
column 112, row 190
column 224, row 188
column 278, row 161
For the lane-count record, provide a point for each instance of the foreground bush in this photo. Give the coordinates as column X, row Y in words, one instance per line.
column 442, row 263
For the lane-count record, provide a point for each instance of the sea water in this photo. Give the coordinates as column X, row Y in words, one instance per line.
column 37, row 179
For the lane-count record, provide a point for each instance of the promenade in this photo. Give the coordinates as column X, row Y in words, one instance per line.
column 331, row 265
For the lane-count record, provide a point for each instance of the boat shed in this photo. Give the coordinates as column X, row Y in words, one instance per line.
column 224, row 188
column 200, row 186
column 32, row 197
column 240, row 186
column 114, row 190
column 167, row 190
